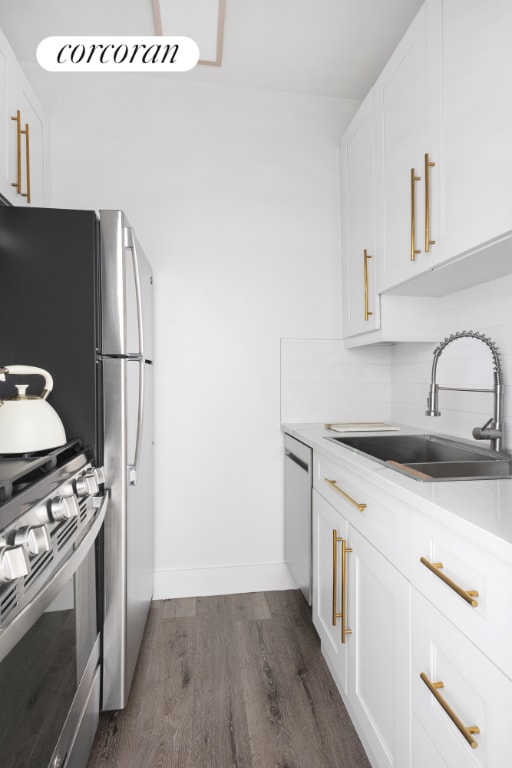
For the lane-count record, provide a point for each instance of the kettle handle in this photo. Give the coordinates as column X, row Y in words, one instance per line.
column 31, row 370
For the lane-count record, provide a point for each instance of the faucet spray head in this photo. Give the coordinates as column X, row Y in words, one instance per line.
column 432, row 405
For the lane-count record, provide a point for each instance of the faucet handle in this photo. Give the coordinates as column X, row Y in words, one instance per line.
column 489, row 431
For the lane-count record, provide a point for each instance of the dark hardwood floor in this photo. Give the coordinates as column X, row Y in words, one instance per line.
column 235, row 681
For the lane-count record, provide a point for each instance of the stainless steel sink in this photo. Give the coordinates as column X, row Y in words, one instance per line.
column 431, row 457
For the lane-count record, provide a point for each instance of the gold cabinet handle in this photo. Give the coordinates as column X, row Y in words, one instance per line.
column 428, row 166
column 343, row 614
column 467, row 594
column 414, row 178
column 27, row 161
column 17, row 183
column 466, row 731
column 333, row 485
column 367, row 313
column 344, row 630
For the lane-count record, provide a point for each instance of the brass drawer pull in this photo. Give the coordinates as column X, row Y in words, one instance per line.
column 333, row 485
column 343, row 614
column 468, row 731
column 467, row 594
column 367, row 312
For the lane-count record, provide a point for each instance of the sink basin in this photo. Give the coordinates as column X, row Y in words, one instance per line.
column 431, row 457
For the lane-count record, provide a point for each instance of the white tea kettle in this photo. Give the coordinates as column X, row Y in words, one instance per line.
column 27, row 422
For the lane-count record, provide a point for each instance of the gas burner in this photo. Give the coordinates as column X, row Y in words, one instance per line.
column 19, row 471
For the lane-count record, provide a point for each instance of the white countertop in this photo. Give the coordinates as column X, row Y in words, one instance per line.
column 480, row 509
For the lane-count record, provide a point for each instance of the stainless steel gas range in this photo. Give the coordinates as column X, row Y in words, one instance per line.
column 52, row 508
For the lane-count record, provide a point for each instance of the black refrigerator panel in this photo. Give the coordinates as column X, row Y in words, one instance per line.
column 49, row 310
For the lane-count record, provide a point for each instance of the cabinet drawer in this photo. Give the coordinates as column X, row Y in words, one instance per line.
column 472, row 588
column 474, row 690
column 383, row 520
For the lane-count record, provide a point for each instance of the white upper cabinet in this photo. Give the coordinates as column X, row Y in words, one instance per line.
column 438, row 217
column 477, row 123
column 408, row 151
column 443, row 119
column 361, row 307
column 24, row 141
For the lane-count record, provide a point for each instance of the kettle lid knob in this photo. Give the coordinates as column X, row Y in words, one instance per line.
column 22, row 390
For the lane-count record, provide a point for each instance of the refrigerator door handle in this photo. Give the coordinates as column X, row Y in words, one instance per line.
column 132, row 468
column 131, row 244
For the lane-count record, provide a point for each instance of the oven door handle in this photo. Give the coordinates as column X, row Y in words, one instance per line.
column 13, row 633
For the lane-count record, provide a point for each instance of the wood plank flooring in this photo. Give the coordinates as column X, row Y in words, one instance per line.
column 234, row 681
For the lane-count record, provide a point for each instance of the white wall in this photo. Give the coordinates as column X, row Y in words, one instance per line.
column 234, row 194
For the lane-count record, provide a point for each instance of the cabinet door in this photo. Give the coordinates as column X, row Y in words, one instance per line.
column 26, row 144
column 477, row 122
column 328, row 585
column 408, row 127
column 476, row 694
column 467, row 583
column 361, row 308
column 379, row 659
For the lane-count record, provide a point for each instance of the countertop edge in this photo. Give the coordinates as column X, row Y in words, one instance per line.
column 479, row 509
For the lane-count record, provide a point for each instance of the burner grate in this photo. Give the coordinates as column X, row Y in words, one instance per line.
column 17, row 472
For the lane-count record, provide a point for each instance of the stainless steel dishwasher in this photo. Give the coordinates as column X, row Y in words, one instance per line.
column 298, row 460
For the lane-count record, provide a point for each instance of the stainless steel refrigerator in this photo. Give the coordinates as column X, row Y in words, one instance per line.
column 76, row 300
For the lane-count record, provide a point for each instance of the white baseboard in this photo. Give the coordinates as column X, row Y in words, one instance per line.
column 223, row 580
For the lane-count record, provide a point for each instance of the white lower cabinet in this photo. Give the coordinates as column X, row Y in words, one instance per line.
column 328, row 526
column 361, row 612
column 461, row 700
column 415, row 624
column 378, row 668
column 467, row 584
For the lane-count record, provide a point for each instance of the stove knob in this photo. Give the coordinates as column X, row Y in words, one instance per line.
column 14, row 563
column 64, row 507
column 88, row 484
column 35, row 538
column 99, row 474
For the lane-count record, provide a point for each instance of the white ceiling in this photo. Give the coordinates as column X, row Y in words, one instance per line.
column 323, row 47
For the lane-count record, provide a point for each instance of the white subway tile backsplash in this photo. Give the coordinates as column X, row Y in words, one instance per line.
column 321, row 380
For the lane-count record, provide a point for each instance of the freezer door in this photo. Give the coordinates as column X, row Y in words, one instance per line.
column 126, row 290
column 129, row 526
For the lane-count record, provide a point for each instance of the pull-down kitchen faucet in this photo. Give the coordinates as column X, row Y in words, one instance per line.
column 493, row 428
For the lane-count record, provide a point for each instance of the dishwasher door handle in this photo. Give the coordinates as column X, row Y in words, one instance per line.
column 301, row 464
